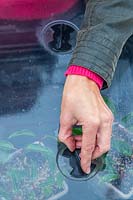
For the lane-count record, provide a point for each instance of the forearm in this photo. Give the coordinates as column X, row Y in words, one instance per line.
column 106, row 27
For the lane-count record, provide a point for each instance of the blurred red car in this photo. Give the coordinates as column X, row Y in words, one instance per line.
column 23, row 22
column 34, row 9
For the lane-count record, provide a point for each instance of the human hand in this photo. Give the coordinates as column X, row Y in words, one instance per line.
column 82, row 104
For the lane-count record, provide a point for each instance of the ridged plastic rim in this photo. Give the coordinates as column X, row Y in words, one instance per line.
column 49, row 25
column 89, row 176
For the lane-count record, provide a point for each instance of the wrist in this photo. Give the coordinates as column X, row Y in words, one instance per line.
column 78, row 83
column 82, row 71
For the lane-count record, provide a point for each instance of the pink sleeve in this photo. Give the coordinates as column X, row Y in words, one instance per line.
column 82, row 71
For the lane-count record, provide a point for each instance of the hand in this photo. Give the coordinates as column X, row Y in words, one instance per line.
column 82, row 104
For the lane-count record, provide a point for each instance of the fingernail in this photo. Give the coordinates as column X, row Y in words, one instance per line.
column 71, row 149
column 88, row 171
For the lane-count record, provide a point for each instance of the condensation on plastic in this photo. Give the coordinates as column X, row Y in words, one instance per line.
column 31, row 84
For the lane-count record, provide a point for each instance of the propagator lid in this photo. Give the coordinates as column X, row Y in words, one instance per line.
column 69, row 164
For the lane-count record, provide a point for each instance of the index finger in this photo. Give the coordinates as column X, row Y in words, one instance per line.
column 88, row 146
column 65, row 135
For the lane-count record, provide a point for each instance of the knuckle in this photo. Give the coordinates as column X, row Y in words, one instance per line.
column 107, row 118
column 64, row 121
column 88, row 148
column 111, row 117
column 94, row 121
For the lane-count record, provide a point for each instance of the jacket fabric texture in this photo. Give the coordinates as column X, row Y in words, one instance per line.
column 106, row 27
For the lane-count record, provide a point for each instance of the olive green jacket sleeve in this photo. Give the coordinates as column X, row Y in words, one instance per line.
column 106, row 26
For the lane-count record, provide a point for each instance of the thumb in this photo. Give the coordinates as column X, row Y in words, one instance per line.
column 65, row 136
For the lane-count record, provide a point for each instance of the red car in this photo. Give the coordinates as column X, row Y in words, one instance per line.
column 53, row 23
column 34, row 9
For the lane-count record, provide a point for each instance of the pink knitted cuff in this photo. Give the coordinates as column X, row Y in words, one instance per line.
column 79, row 70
